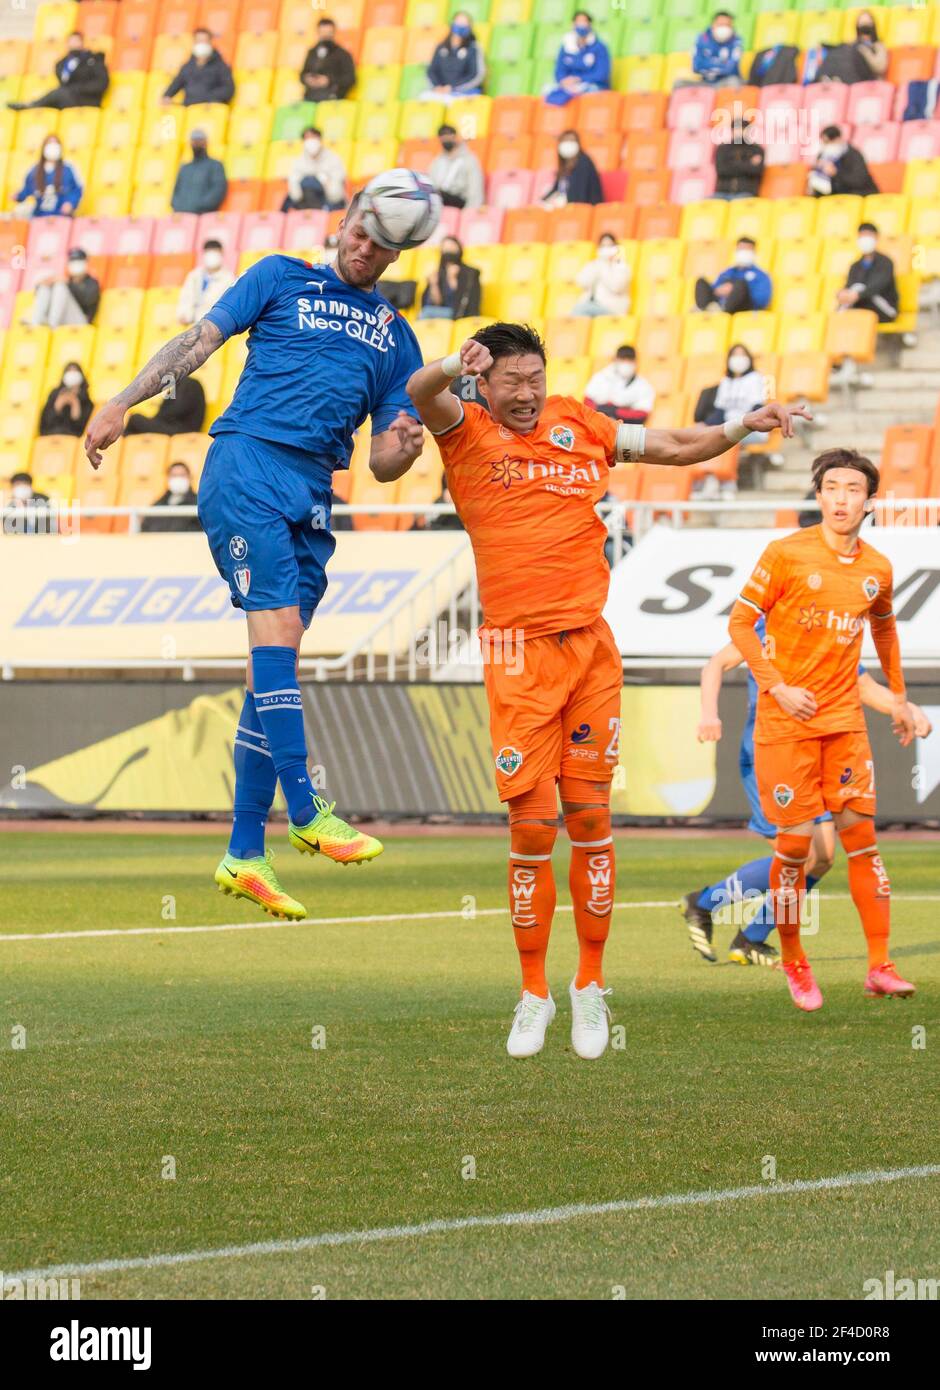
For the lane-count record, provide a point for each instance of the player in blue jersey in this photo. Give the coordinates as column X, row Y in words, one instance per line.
column 325, row 350
column 751, row 881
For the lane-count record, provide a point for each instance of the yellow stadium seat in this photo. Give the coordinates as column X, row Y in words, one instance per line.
column 794, row 219
column 21, row 389
column 525, row 263
column 249, row 126
column 888, row 211
column 421, row 13
column 156, row 169
column 119, row 130
column 126, row 92
column 378, row 84
column 424, row 481
column 120, row 310
column 159, row 314
column 520, row 303
column 433, row 337
column 280, row 157
column 660, row 299
column 465, row 328
column 114, row 355
column 908, row 293
column 796, row 296
column 254, row 87
column 78, row 128
column 901, row 250
column 907, row 26
column 26, row 348
column 800, row 332
column 371, row 159
column 660, row 258
column 839, row 216
column 419, row 120
column 567, row 336
column 337, row 120
column 925, row 218
column 678, row 66
column 561, row 299
column 751, row 217
column 471, row 116
column 212, row 117
column 108, row 199
column 803, row 375
column 757, row 329
column 568, row 376
column 70, row 343
column 851, row 333
column 772, row 28
column 795, row 260
column 155, row 84
column 32, row 127
column 163, row 128
column 56, row 21
column 641, row 74
column 170, row 52
column 705, row 258
column 254, row 53
column 376, row 120
column 17, row 430
column 837, row 255
column 190, row 449
column 242, row 161
column 285, row 88
column 704, row 334
column 818, row 27
column 609, row 333
column 143, row 460
column 567, row 258
column 488, row 260
column 704, row 221
column 510, row 11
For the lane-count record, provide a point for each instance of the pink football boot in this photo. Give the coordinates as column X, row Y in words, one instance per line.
column 884, row 982
column 803, row 988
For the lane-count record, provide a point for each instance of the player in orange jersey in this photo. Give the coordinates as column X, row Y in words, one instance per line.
column 525, row 477
column 816, row 589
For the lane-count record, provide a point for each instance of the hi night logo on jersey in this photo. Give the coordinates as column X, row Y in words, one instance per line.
column 508, row 470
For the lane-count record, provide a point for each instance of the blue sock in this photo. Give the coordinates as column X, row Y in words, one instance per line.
column 280, row 710
column 255, row 784
column 763, row 924
column 751, row 877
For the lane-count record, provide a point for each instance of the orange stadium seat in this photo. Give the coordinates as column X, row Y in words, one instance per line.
column 525, row 224
column 645, row 151
column 568, row 337
column 701, row 372
column 511, row 115
column 852, row 333
column 905, row 461
column 784, row 180
column 645, row 189
column 599, row 113
column 169, row 271
column 657, row 221
column 659, row 337
column 126, row 272
column 618, row 218
column 643, row 112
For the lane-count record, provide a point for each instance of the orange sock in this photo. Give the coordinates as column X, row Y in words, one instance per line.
column 532, row 881
column 591, row 878
column 787, row 887
column 869, row 886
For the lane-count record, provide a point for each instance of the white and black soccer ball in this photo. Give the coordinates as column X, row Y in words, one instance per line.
column 400, row 209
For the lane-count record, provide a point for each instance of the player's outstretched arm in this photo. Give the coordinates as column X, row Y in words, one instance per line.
column 709, row 726
column 176, row 359
column 395, row 449
column 703, row 442
column 429, row 387
column 880, row 699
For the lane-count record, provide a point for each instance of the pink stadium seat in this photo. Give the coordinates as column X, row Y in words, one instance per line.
column 133, row 235
column 692, row 185
column 7, row 302
column 827, row 101
column 480, row 226
column 690, row 150
column 869, row 103
column 512, row 188
column 878, row 143
column 48, row 237
column 450, row 221
column 690, row 108
column 261, row 231
column 95, row 235
column 225, row 227
column 781, row 96
column 303, row 229
column 174, row 233
column 10, row 277
column 919, row 140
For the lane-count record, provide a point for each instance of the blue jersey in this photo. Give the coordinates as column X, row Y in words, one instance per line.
column 322, row 355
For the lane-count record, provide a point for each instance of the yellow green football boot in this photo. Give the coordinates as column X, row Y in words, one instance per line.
column 327, row 834
column 256, row 880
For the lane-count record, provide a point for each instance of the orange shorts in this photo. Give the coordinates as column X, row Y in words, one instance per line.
column 801, row 779
column 554, row 707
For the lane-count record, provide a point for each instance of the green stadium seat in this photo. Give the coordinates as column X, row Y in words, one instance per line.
column 643, row 37
column 552, row 12
column 543, row 74
column 681, row 35
column 290, row 121
column 509, row 79
column 414, row 81
column 510, row 43
column 477, row 9
column 641, row 9
column 548, row 39
column 611, row 30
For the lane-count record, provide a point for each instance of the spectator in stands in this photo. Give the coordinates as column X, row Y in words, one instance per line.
column 457, row 68
column 317, row 178
column 204, row 284
column 739, row 163
column 717, row 55
column 179, row 493
column 339, row 523
column 68, row 406
column 83, row 79
column 839, row 168
column 453, row 291
column 617, row 391
column 52, row 185
column 870, row 283
column 201, row 185
column 72, row 301
column 456, row 172
column 605, row 280
column 582, row 65
column 328, row 72
column 577, row 179
column 181, row 411
column 446, row 521
column 741, row 389
column 22, row 493
column 205, row 77
column 863, row 60
column 742, row 286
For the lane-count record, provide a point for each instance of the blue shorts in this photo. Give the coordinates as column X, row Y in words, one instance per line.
column 267, row 520
column 759, row 822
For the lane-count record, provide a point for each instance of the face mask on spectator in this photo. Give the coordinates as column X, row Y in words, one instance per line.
column 722, row 32
column 202, row 50
column 833, row 151
column 744, row 256
column 738, row 364
column 865, row 31
column 178, row 485
column 461, row 30
column 626, row 369
column 52, row 151
column 22, row 492
column 451, row 256
column 313, row 144
column 448, row 143
column 72, row 379
column 867, row 244
column 76, row 265
column 568, row 149
column 211, row 260
column 607, row 251
column 582, row 30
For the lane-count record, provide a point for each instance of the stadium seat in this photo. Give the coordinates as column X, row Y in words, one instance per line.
column 52, row 464
column 660, row 483
column 618, row 218
column 645, row 152
column 757, row 329
column 647, row 189
column 919, row 140
column 751, row 217
column 888, row 211
column 643, row 112
column 142, row 459
column 699, row 373
column 905, row 461
column 802, row 333
column 869, row 103
column 511, row 115
column 704, row 334
column 703, row 221
column 922, row 180
column 692, row 185
column 908, row 293
column 525, row 224
column 803, row 375
column 690, row 109
column 851, row 333
column 910, row 63
column 878, row 143
column 568, row 376
column 659, row 337
column 659, row 221
column 825, row 103
column 704, row 258
column 568, row 337
column 838, row 216
column 888, row 177
column 510, row 189
column 480, row 226
column 599, row 113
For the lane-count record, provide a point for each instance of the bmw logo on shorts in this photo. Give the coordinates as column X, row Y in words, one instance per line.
column 238, row 547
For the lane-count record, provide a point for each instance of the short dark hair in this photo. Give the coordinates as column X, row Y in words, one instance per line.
column 845, row 458
column 310, row 130
column 325, row 19
column 179, row 463
column 213, row 244
column 626, row 353
column 77, row 34
column 832, row 132
column 582, row 14
column 446, row 129
column 722, row 14
column 21, row 478
column 509, row 340
column 745, row 241
column 868, row 227
column 202, row 29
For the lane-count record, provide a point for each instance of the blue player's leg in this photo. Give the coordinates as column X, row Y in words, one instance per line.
column 255, row 783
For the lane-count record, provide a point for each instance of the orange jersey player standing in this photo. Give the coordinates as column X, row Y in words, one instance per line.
column 525, row 477
column 817, row 588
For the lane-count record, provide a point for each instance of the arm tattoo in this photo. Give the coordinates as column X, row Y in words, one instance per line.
column 176, row 359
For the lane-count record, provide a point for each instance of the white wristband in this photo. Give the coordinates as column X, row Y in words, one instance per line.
column 452, row 365
column 734, row 429
column 630, row 444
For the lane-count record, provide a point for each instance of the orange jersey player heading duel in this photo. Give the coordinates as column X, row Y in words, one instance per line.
column 525, row 477
column 817, row 588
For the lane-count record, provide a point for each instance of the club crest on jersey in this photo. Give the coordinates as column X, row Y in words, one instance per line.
column 238, row 547
column 783, row 794
column 814, row 581
column 509, row 761
column 243, row 580
column 870, row 587
column 562, row 436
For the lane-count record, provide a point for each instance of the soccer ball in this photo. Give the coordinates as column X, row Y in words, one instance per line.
column 400, row 209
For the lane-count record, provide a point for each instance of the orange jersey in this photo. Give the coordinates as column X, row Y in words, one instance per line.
column 527, row 502
column 816, row 604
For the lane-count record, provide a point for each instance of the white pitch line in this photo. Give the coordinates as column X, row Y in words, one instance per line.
column 304, row 922
column 547, row 1216
column 376, row 917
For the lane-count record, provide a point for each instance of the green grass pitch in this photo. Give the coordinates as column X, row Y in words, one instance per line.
column 199, row 1047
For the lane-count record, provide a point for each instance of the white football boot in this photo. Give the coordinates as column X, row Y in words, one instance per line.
column 589, row 1020
column 530, row 1020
